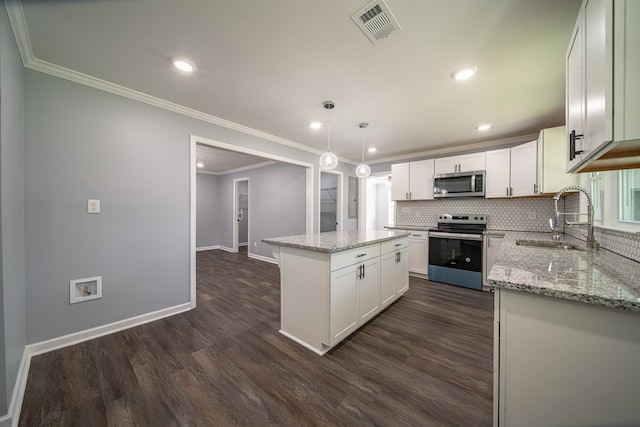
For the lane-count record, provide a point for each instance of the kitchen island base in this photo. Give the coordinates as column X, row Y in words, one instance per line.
column 326, row 296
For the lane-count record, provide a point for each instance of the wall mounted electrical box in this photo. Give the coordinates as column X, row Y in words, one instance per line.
column 85, row 289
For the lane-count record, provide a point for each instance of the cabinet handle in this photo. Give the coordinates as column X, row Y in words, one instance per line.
column 507, row 191
column 397, row 257
column 572, row 145
column 406, row 195
column 535, row 188
column 361, row 255
column 362, row 271
column 398, row 244
column 410, row 195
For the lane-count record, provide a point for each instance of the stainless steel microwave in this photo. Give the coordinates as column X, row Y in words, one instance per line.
column 459, row 184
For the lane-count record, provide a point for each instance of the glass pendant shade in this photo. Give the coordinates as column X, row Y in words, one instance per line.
column 328, row 160
column 363, row 170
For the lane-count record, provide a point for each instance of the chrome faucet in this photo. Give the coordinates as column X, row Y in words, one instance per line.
column 591, row 240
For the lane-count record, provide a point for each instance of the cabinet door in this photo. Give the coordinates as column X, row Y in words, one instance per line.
column 400, row 181
column 574, row 95
column 498, row 174
column 418, row 252
column 344, row 303
column 421, row 180
column 551, row 162
column 598, row 75
column 369, row 290
column 524, row 169
column 472, row 162
column 446, row 165
column 387, row 278
column 402, row 271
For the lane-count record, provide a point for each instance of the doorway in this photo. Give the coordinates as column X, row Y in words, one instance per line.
column 240, row 214
column 377, row 208
column 330, row 201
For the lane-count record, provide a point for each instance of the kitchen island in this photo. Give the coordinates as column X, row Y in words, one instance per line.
column 333, row 283
column 566, row 334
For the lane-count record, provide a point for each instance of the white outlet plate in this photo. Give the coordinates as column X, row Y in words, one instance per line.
column 93, row 206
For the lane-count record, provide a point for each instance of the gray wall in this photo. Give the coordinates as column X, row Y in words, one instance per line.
column 207, row 188
column 12, row 267
column 83, row 143
column 277, row 204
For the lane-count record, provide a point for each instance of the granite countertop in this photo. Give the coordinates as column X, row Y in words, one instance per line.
column 335, row 241
column 596, row 277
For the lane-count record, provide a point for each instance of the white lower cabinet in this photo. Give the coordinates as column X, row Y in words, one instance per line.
column 326, row 297
column 394, row 280
column 419, row 252
column 560, row 362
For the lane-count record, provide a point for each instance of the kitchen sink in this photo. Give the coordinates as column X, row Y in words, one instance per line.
column 549, row 244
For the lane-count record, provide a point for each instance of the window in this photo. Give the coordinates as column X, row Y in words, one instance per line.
column 629, row 200
column 595, row 178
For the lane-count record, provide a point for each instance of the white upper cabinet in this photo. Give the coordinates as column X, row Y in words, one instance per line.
column 551, row 165
column 511, row 172
column 462, row 163
column 529, row 169
column 498, row 176
column 412, row 181
column 603, row 87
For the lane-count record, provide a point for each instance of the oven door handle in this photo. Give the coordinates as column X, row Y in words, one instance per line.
column 477, row 237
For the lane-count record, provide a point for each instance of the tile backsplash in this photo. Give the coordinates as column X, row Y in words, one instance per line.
column 526, row 214
column 520, row 214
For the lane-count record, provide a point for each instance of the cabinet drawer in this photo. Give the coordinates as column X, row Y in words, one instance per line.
column 353, row 256
column 394, row 245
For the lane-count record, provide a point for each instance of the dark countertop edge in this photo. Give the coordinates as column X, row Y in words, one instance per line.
column 336, row 249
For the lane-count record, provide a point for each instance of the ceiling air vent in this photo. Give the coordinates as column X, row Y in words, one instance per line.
column 376, row 21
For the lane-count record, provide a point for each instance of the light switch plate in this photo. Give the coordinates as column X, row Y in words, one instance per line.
column 93, row 206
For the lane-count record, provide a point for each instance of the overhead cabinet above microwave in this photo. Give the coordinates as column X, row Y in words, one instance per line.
column 462, row 163
column 603, row 87
column 412, row 180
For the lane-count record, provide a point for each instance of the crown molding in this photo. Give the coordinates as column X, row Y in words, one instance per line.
column 464, row 148
column 21, row 33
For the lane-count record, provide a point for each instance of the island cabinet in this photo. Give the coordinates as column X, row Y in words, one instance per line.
column 394, row 267
column 328, row 293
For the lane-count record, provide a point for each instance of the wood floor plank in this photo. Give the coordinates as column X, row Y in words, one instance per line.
column 424, row 361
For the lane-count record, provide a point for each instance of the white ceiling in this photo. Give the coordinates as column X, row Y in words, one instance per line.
column 269, row 65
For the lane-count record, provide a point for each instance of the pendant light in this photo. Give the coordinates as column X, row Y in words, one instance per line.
column 328, row 160
column 363, row 170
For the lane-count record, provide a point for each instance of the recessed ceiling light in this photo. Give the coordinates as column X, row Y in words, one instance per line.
column 199, row 165
column 185, row 65
column 464, row 73
column 315, row 125
column 373, row 149
column 483, row 127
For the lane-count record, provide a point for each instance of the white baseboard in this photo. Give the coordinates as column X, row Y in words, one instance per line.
column 263, row 258
column 224, row 248
column 207, row 248
column 13, row 416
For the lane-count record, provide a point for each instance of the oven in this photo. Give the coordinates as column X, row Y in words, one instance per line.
column 455, row 250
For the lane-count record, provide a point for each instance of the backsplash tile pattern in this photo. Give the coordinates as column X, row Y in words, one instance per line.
column 525, row 214
column 623, row 243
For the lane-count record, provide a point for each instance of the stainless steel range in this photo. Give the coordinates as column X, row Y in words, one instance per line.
column 455, row 250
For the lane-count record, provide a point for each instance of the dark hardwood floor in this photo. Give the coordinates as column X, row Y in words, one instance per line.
column 425, row 361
